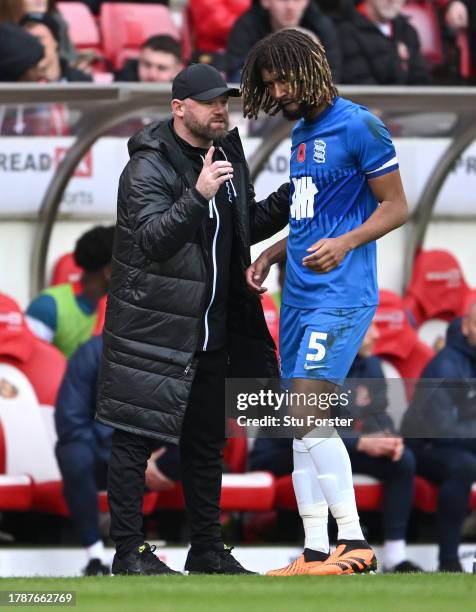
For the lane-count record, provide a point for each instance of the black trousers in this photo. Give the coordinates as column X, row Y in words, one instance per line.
column 201, row 452
column 452, row 468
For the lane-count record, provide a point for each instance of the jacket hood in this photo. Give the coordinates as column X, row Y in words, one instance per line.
column 456, row 340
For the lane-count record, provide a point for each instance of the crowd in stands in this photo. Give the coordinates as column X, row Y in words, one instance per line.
column 380, row 42
column 420, row 448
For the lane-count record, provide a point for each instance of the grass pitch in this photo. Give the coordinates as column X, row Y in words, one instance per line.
column 382, row 593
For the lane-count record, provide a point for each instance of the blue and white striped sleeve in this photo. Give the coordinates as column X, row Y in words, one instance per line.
column 370, row 143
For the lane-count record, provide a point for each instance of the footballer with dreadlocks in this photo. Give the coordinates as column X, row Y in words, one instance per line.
column 346, row 192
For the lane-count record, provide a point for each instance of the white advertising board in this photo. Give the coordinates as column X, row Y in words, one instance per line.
column 28, row 164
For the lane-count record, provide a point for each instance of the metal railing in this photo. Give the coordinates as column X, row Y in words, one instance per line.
column 105, row 106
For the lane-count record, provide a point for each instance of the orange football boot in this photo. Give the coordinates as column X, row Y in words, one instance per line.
column 298, row 567
column 350, row 557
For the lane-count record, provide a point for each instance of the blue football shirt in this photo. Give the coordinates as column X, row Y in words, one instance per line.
column 332, row 159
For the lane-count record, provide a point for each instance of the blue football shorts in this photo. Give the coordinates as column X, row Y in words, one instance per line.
column 321, row 343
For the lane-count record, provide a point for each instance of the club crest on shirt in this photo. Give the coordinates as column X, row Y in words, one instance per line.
column 320, row 151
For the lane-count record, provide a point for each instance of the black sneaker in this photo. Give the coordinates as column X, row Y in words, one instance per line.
column 96, row 567
column 214, row 562
column 451, row 566
column 140, row 562
column 405, row 567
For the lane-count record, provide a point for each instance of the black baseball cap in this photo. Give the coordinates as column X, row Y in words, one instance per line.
column 201, row 82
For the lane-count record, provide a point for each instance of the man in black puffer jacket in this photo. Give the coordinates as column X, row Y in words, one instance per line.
column 180, row 317
column 380, row 47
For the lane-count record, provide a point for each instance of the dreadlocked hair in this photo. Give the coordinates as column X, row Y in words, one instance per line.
column 295, row 58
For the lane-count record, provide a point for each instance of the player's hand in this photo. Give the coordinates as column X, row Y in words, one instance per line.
column 155, row 480
column 256, row 274
column 213, row 175
column 326, row 254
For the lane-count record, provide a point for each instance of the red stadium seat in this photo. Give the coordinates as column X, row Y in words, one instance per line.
column 188, row 43
column 125, row 26
column 424, row 18
column 66, row 270
column 41, row 363
column 250, row 492
column 398, row 341
column 82, row 27
column 437, row 289
column 470, row 298
column 271, row 315
column 16, row 493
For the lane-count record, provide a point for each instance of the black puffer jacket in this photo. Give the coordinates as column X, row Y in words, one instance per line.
column 158, row 285
column 371, row 58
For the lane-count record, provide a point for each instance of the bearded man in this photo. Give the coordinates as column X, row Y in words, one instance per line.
column 180, row 317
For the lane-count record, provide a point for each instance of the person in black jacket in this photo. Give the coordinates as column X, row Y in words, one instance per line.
column 442, row 418
column 54, row 68
column 380, row 47
column 83, row 450
column 179, row 315
column 266, row 16
column 159, row 61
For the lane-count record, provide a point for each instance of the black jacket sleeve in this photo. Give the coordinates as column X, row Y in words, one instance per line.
column 355, row 67
column 161, row 225
column 418, row 73
column 270, row 215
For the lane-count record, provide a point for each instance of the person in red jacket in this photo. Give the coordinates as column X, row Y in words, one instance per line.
column 212, row 21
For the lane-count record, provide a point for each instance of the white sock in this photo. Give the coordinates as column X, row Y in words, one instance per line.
column 394, row 552
column 335, row 477
column 312, row 505
column 95, row 551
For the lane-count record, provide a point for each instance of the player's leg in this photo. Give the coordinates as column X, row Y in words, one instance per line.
column 312, row 505
column 329, row 346
column 314, row 512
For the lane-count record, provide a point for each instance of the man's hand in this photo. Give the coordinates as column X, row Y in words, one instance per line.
column 326, row 254
column 213, row 175
column 256, row 274
column 381, row 445
column 155, row 480
column 456, row 16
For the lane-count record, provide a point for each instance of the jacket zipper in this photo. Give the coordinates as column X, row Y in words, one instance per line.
column 214, row 263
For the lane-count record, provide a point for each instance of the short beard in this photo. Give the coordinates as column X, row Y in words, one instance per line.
column 199, row 130
column 294, row 115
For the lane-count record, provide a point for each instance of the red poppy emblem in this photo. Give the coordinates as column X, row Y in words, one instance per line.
column 301, row 156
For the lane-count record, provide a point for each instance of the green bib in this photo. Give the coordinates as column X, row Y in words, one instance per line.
column 73, row 326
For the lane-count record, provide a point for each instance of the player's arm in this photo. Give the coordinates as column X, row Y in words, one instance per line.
column 269, row 216
column 392, row 212
column 257, row 273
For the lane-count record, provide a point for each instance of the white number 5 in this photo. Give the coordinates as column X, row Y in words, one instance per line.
column 316, row 346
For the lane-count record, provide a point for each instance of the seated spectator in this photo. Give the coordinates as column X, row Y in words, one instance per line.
column 442, row 417
column 212, row 21
column 21, row 55
column 159, row 61
column 373, row 448
column 266, row 16
column 83, row 449
column 380, row 47
column 54, row 68
column 67, row 315
column 460, row 16
column 41, row 7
